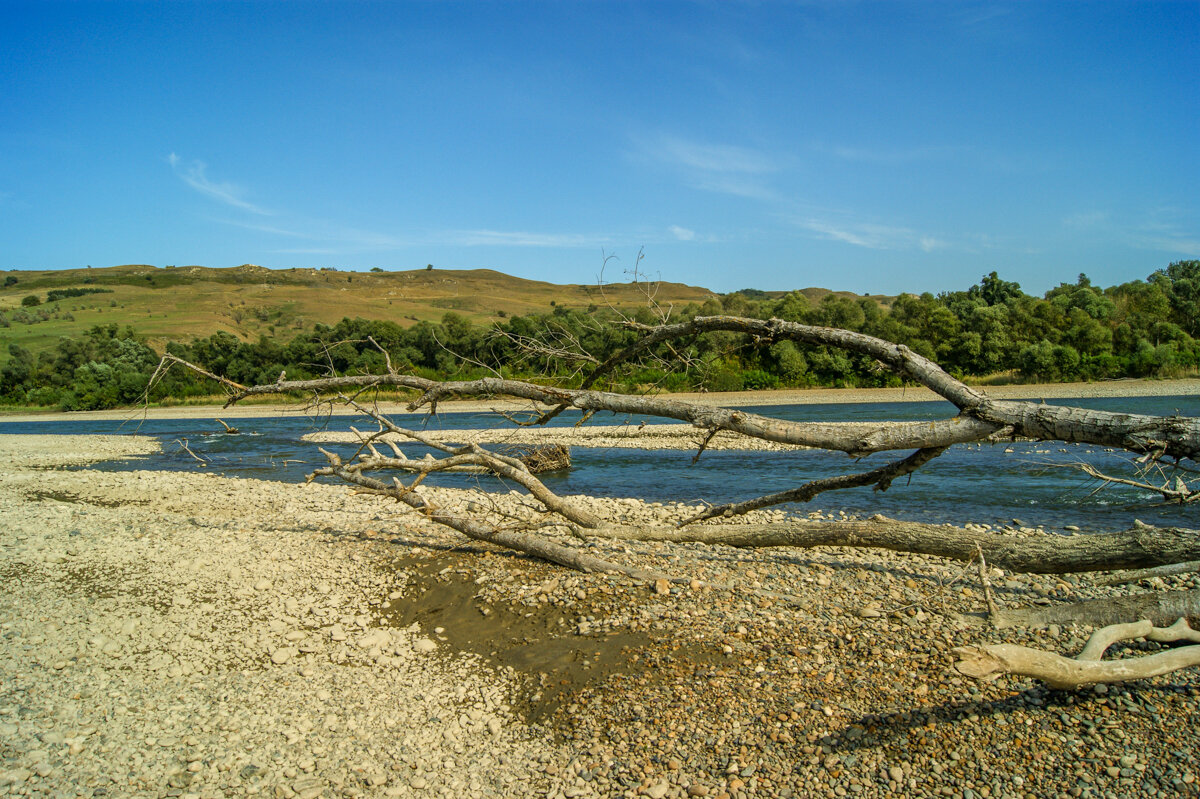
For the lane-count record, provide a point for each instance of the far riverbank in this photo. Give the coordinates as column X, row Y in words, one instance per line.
column 732, row 399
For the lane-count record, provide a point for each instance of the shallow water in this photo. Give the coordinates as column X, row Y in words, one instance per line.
column 985, row 484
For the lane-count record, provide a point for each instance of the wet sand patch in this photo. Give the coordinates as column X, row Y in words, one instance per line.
column 560, row 646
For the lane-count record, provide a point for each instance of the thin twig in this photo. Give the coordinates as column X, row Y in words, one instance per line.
column 987, row 584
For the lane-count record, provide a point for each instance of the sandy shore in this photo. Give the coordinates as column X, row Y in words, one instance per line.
column 168, row 634
column 816, row 396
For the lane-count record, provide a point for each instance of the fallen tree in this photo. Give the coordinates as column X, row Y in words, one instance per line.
column 1169, row 441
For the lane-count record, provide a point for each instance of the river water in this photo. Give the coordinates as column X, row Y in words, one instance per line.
column 1027, row 482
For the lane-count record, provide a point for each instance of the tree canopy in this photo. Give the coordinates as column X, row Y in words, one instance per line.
column 1076, row 331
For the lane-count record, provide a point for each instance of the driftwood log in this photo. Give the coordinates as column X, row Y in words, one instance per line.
column 1087, row 668
column 1166, row 440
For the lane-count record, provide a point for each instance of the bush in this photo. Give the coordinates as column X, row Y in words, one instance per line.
column 31, row 301
column 758, row 379
column 43, row 395
column 61, row 294
column 724, row 379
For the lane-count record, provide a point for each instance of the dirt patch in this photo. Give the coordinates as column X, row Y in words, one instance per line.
column 543, row 641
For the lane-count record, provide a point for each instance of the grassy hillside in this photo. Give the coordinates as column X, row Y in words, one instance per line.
column 179, row 303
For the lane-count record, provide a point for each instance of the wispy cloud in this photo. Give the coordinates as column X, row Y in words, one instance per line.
column 335, row 239
column 983, row 14
column 1085, row 219
column 722, row 168
column 724, row 158
column 1167, row 229
column 504, row 238
column 194, row 174
column 682, row 233
column 871, row 235
column 893, row 155
column 1163, row 229
column 332, row 239
column 272, row 229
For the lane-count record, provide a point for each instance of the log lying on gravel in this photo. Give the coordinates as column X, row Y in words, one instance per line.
column 1159, row 607
column 1087, row 668
column 1031, row 553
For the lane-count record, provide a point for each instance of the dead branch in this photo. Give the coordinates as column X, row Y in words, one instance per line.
column 1087, row 668
column 473, row 454
column 511, row 539
column 880, row 478
column 183, row 445
column 987, row 584
column 1032, row 553
column 1159, row 607
column 1149, row 574
column 1178, row 493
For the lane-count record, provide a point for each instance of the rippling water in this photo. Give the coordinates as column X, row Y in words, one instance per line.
column 987, row 484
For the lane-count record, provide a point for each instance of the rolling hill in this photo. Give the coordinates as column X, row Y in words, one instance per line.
column 180, row 303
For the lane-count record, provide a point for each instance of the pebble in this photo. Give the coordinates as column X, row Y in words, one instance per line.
column 658, row 790
column 283, row 655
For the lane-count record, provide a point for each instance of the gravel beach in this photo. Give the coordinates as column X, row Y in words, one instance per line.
column 184, row 634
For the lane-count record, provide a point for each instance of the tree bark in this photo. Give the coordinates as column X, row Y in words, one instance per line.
column 1032, row 553
column 1161, row 608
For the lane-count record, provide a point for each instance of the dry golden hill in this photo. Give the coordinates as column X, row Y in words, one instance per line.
column 179, row 303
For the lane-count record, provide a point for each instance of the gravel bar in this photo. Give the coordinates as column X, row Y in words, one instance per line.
column 183, row 634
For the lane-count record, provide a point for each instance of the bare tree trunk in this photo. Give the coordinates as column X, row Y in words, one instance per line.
column 1031, row 553
column 1160, row 608
column 980, row 418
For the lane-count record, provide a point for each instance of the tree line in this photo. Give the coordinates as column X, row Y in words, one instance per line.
column 1076, row 331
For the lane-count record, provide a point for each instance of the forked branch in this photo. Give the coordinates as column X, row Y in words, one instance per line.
column 1087, row 668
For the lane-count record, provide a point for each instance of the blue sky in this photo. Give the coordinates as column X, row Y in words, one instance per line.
column 869, row 147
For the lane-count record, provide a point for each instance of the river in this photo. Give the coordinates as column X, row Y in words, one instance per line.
column 1029, row 483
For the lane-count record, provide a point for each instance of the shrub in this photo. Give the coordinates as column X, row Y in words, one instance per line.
column 758, row 379
column 61, row 294
column 31, row 301
column 724, row 379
